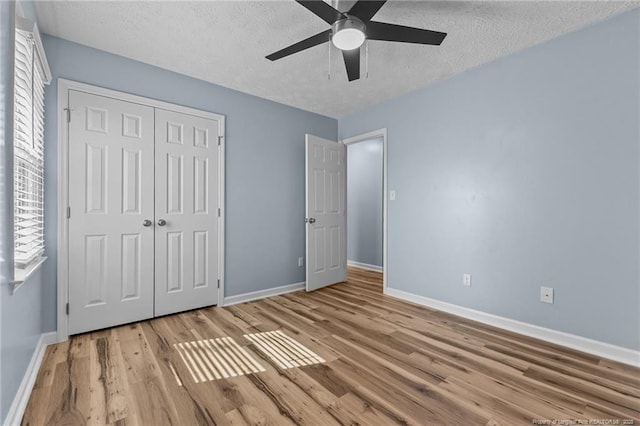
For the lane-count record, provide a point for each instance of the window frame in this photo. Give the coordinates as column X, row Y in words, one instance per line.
column 41, row 76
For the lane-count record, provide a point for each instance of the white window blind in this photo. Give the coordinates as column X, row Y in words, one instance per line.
column 30, row 75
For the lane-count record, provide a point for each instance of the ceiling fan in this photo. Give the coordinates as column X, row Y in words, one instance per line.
column 349, row 31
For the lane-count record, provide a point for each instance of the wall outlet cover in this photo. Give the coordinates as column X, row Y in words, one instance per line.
column 546, row 294
column 300, row 262
column 466, row 280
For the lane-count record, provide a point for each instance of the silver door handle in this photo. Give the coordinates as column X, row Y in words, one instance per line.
column 147, row 222
column 312, row 220
column 162, row 222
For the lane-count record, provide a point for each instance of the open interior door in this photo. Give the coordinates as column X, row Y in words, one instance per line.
column 326, row 203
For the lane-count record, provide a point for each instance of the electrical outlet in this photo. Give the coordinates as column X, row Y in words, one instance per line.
column 546, row 294
column 466, row 280
column 300, row 262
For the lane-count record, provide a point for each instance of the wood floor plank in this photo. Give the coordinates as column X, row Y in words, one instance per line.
column 414, row 387
column 291, row 400
column 54, row 355
column 363, row 412
column 68, row 401
column 601, row 395
column 192, row 406
column 108, row 400
column 147, row 384
column 36, row 413
column 386, row 361
column 501, row 411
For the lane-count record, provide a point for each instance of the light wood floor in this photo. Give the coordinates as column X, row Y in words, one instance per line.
column 387, row 362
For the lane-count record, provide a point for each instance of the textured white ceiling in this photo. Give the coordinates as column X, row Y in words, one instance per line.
column 225, row 42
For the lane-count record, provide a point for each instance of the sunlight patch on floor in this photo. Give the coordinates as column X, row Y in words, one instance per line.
column 284, row 351
column 213, row 359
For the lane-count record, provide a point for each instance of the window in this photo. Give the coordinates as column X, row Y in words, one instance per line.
column 31, row 73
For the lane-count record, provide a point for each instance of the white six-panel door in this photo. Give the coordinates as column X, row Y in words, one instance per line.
column 111, row 187
column 186, row 212
column 143, row 226
column 326, row 201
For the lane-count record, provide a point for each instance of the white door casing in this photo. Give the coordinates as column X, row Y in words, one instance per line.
column 326, row 202
column 110, row 197
column 186, row 210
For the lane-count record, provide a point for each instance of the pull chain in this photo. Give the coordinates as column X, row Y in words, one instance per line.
column 335, row 6
column 366, row 58
column 329, row 70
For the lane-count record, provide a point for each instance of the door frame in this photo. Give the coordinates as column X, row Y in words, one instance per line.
column 375, row 134
column 64, row 86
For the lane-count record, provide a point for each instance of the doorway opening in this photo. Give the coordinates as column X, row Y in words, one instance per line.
column 367, row 210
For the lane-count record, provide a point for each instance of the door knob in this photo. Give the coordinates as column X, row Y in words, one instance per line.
column 312, row 220
column 147, row 222
column 162, row 222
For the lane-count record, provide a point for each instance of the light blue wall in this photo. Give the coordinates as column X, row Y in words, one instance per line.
column 524, row 172
column 264, row 163
column 21, row 329
column 27, row 9
column 20, row 314
column 364, row 202
column 6, row 29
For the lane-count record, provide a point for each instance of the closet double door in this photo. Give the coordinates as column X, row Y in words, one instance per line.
column 143, row 212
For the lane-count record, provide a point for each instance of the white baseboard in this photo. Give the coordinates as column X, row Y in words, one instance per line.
column 594, row 347
column 16, row 411
column 262, row 294
column 366, row 266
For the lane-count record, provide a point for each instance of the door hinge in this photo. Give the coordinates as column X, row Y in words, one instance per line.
column 68, row 110
column 67, row 309
column 220, row 140
column 68, row 212
column 218, row 211
column 218, row 283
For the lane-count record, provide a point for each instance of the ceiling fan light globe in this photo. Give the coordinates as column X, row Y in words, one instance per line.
column 348, row 33
column 348, row 38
